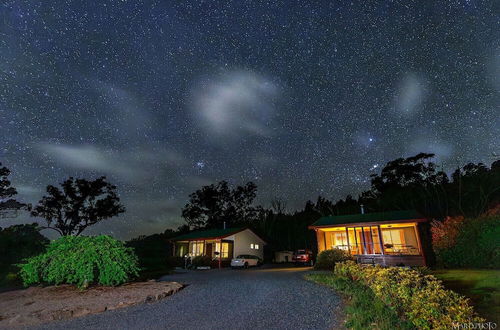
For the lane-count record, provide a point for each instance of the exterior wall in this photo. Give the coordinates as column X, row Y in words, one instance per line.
column 242, row 241
column 281, row 256
column 320, row 237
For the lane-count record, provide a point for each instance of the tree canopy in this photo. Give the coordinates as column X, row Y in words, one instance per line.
column 8, row 205
column 81, row 203
column 216, row 204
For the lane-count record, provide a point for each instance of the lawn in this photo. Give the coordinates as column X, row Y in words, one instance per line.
column 480, row 285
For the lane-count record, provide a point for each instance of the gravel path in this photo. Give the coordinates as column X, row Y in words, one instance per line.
column 261, row 298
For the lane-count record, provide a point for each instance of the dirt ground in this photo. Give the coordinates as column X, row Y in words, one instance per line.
column 38, row 305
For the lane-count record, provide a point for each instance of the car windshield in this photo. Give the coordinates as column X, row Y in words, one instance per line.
column 241, row 256
column 301, row 251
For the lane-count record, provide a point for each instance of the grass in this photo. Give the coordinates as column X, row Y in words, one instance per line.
column 364, row 310
column 482, row 286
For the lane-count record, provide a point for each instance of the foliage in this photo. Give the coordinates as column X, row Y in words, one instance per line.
column 213, row 205
column 421, row 299
column 328, row 258
column 444, row 234
column 8, row 205
column 154, row 252
column 201, row 261
column 482, row 286
column 80, row 204
column 82, row 261
column 473, row 243
column 364, row 310
column 17, row 243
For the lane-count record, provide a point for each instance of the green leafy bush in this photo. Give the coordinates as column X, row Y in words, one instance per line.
column 475, row 243
column 82, row 261
column 419, row 298
column 201, row 261
column 328, row 258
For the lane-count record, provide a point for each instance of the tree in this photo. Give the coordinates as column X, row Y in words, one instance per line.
column 213, row 205
column 19, row 242
column 80, row 204
column 8, row 205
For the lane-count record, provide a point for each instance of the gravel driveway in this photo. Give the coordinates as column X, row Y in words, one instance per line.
column 260, row 298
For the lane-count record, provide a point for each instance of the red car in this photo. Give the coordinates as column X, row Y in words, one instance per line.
column 303, row 257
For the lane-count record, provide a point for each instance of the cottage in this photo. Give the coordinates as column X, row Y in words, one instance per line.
column 226, row 243
column 386, row 238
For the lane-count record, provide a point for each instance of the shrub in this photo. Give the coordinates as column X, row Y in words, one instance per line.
column 419, row 298
column 328, row 258
column 364, row 310
column 17, row 243
column 82, row 261
column 201, row 261
column 471, row 243
column 173, row 262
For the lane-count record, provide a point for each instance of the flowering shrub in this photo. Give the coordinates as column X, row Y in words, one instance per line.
column 421, row 299
column 444, row 233
column 82, row 261
column 201, row 261
column 328, row 258
column 474, row 243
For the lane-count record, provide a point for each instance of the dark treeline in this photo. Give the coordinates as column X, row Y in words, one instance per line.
column 404, row 183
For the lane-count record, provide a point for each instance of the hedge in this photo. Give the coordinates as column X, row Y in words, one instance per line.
column 418, row 298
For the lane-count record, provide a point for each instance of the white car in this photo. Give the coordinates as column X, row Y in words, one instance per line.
column 245, row 261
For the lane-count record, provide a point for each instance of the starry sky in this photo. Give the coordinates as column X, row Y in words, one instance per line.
column 304, row 98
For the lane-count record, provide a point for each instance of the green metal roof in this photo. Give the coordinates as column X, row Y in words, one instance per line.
column 368, row 217
column 207, row 234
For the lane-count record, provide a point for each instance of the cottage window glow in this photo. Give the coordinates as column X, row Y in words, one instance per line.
column 225, row 249
column 256, row 246
column 196, row 248
column 251, row 246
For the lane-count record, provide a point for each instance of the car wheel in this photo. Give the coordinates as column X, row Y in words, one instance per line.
column 246, row 265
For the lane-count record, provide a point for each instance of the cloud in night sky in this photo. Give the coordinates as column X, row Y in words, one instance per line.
column 235, row 103
column 411, row 94
column 132, row 166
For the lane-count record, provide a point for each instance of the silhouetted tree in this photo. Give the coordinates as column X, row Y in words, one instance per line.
column 213, row 205
column 80, row 204
column 8, row 205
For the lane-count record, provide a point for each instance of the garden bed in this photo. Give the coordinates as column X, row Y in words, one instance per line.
column 38, row 305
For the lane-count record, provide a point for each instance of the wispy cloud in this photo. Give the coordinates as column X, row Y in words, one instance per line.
column 130, row 165
column 412, row 91
column 235, row 103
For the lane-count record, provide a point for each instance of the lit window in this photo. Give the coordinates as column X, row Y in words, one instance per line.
column 256, row 246
column 251, row 246
column 225, row 249
column 196, row 248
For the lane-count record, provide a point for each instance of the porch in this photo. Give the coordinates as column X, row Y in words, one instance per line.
column 386, row 238
column 212, row 248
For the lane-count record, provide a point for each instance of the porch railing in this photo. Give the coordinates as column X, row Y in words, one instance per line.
column 390, row 249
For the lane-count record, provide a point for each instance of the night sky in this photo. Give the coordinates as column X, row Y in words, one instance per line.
column 304, row 99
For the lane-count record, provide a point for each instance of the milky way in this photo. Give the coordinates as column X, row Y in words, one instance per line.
column 304, row 99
